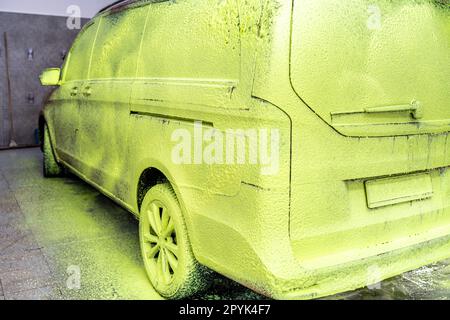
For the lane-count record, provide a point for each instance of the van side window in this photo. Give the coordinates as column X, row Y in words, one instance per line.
column 78, row 60
column 117, row 44
column 191, row 39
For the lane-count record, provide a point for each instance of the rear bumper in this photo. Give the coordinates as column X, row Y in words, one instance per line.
column 360, row 245
column 259, row 254
column 364, row 272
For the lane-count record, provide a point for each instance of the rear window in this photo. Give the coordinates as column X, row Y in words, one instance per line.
column 364, row 67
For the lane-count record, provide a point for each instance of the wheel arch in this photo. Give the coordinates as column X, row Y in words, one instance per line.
column 149, row 178
column 152, row 174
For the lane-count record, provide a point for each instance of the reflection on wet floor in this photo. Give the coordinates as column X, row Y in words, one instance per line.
column 430, row 282
column 60, row 238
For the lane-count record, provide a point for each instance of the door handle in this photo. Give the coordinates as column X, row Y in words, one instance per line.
column 87, row 91
column 74, row 91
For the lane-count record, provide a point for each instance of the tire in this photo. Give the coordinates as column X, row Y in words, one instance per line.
column 165, row 247
column 51, row 167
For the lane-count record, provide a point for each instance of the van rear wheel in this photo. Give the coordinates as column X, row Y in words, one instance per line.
column 165, row 247
column 51, row 168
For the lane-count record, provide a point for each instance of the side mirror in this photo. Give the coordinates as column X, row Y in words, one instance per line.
column 50, row 77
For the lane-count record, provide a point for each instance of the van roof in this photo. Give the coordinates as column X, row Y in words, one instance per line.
column 113, row 5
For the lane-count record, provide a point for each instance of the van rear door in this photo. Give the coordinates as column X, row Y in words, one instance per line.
column 374, row 67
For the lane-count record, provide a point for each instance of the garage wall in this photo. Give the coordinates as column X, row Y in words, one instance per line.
column 49, row 38
column 88, row 8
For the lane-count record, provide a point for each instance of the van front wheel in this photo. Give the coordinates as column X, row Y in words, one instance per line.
column 51, row 167
column 165, row 247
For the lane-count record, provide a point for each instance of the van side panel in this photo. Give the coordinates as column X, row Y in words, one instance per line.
column 181, row 81
column 206, row 76
column 104, row 112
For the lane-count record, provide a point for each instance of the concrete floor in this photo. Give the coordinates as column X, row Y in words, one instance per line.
column 52, row 228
